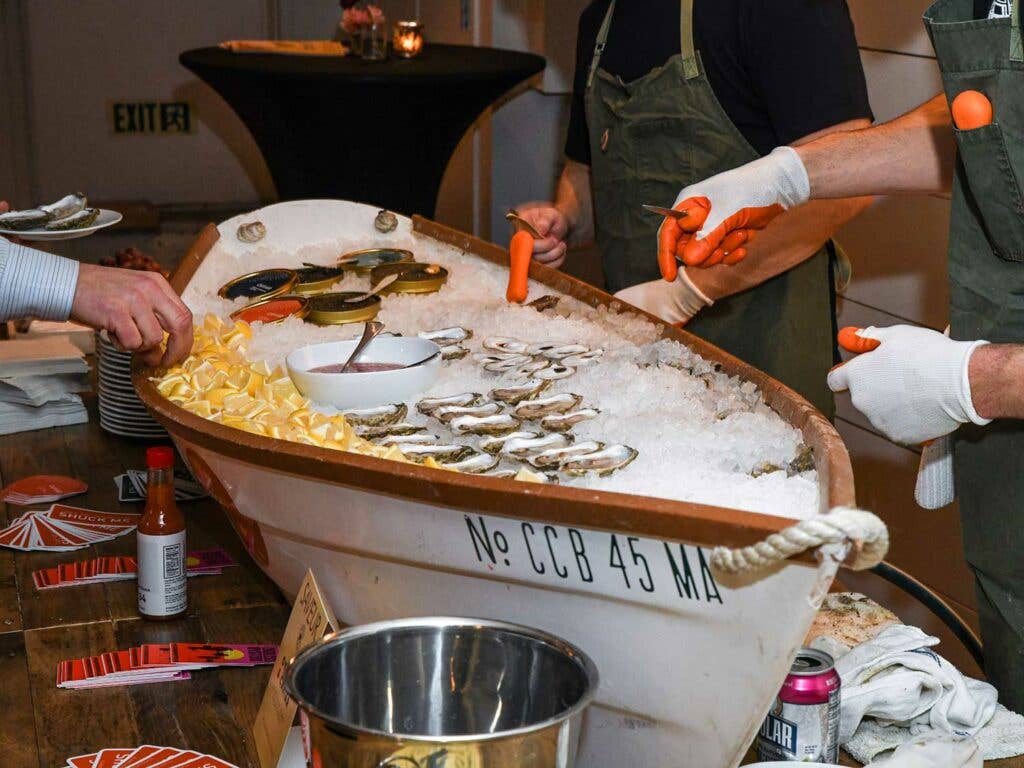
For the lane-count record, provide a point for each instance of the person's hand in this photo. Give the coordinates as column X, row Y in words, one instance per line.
column 913, row 386
column 553, row 227
column 676, row 302
column 136, row 308
column 725, row 211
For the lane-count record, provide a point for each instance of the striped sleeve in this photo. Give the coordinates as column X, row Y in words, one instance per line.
column 34, row 283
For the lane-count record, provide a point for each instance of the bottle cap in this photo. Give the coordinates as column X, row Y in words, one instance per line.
column 161, row 457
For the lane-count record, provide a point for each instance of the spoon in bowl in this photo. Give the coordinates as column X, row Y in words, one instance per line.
column 370, row 330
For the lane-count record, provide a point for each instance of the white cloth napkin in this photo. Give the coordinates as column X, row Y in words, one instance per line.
column 896, row 678
column 933, row 751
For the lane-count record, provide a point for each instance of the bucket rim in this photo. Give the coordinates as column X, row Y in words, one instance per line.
column 440, row 622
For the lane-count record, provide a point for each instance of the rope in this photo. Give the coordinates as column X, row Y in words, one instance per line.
column 839, row 525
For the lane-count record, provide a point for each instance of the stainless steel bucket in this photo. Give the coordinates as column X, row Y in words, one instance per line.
column 442, row 693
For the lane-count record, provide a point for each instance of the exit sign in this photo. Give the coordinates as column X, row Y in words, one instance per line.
column 152, row 117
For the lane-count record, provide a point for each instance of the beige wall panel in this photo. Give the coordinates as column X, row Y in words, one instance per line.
column 129, row 51
column 925, row 543
column 891, row 26
column 898, row 252
column 897, row 83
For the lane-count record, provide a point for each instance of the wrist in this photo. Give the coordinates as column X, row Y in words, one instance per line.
column 996, row 375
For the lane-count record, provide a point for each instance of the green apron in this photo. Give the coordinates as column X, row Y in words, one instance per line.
column 986, row 276
column 650, row 138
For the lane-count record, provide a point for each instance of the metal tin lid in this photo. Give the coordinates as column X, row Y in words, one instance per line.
column 811, row 661
column 259, row 285
column 413, row 278
column 273, row 310
column 363, row 261
column 332, row 309
column 317, row 279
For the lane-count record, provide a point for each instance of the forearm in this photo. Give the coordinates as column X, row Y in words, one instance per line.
column 34, row 283
column 573, row 199
column 913, row 154
column 996, row 373
column 792, row 238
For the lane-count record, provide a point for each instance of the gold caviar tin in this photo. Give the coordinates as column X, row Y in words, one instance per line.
column 315, row 279
column 259, row 285
column 363, row 261
column 412, row 278
column 275, row 309
column 332, row 309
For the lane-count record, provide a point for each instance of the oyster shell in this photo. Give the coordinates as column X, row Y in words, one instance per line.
column 541, row 348
column 560, row 422
column 554, row 372
column 502, row 366
column 493, row 357
column 506, row 345
column 765, row 468
column 516, row 393
column 545, row 303
column 544, row 406
column 419, row 438
column 376, row 417
column 390, row 430
column 251, row 231
column 473, row 464
column 385, row 221
column 504, row 474
column 430, row 404
column 75, row 221
column 454, row 352
column 563, row 351
column 448, row 413
column 498, row 424
column 523, row 447
column 526, row 370
column 583, row 358
column 420, row 452
column 603, row 462
column 553, row 457
column 444, row 337
column 19, row 221
column 66, row 206
column 496, row 443
column 804, row 461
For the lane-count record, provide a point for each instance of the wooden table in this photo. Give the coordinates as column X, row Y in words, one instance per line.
column 42, row 725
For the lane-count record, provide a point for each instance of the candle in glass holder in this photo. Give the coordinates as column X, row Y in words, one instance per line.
column 408, row 40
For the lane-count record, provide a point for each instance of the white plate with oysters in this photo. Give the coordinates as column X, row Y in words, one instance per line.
column 66, row 219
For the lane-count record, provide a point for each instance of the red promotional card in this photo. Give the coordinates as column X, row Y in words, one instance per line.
column 174, row 761
column 91, row 518
column 82, row 761
column 144, row 753
column 111, row 758
column 153, row 655
column 207, row 761
column 216, row 655
column 40, row 489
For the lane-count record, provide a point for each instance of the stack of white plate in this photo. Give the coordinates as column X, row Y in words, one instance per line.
column 121, row 411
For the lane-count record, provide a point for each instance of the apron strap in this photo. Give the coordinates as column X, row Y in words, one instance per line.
column 691, row 68
column 602, row 38
column 1016, row 48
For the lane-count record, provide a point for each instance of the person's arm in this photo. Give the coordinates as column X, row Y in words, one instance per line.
column 913, row 154
column 568, row 220
column 996, row 373
column 795, row 236
column 136, row 307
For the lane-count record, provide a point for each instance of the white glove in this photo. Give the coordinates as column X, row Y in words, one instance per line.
column 737, row 203
column 914, row 387
column 675, row 302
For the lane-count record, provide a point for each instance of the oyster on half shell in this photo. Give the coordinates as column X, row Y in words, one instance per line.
column 560, row 422
column 523, row 447
column 446, row 336
column 430, row 404
column 554, row 372
column 603, row 462
column 473, row 464
column 544, row 406
column 496, row 443
column 390, row 430
column 552, row 458
column 498, row 424
column 420, row 452
column 448, row 413
column 514, row 394
column 376, row 417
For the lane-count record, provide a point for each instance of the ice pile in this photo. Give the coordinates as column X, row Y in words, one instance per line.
column 699, row 432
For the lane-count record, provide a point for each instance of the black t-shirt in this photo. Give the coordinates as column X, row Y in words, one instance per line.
column 781, row 69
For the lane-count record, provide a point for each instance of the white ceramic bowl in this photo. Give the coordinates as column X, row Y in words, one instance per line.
column 347, row 391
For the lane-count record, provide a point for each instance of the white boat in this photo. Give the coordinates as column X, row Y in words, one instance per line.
column 689, row 665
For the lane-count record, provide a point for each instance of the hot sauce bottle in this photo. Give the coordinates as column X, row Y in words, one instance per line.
column 161, row 543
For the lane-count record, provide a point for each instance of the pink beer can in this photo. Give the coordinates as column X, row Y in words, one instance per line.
column 803, row 724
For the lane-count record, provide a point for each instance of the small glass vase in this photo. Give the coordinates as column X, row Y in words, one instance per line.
column 375, row 41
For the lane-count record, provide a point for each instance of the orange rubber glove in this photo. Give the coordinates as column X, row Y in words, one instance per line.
column 725, row 211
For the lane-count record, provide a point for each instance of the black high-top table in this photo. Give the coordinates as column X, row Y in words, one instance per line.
column 377, row 132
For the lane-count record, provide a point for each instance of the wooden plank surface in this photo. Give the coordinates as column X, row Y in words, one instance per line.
column 213, row 712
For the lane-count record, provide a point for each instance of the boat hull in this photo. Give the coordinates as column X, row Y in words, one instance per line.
column 688, row 666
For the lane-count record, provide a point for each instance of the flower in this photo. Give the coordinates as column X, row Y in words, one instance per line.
column 376, row 14
column 354, row 19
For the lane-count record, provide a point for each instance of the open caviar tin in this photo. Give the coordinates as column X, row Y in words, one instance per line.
column 316, row 279
column 412, row 278
column 363, row 261
column 273, row 310
column 259, row 285
column 333, row 309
